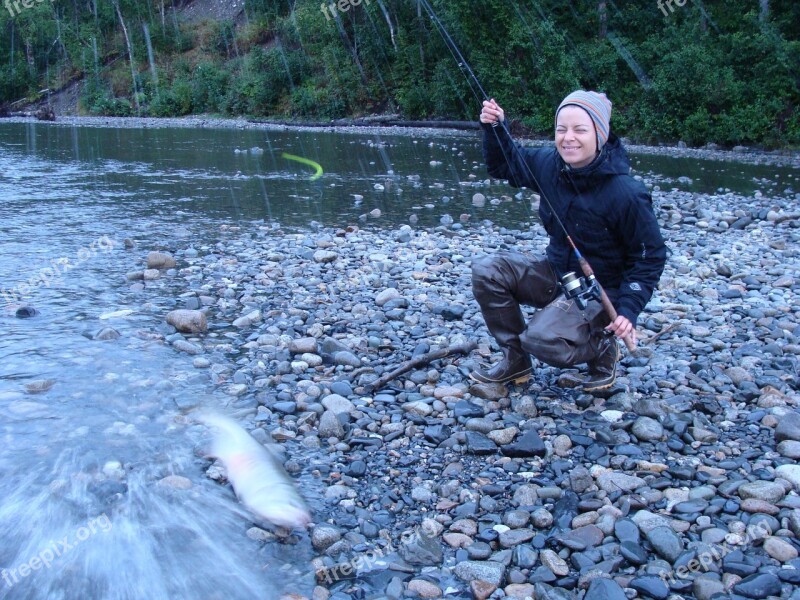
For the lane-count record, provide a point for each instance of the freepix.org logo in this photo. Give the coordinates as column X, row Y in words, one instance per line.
column 55, row 549
column 15, row 7
column 342, row 5
column 663, row 5
column 48, row 276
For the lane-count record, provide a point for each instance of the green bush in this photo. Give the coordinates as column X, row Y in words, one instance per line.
column 209, row 87
column 311, row 101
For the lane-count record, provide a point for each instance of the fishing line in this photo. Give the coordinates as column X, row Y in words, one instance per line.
column 450, row 43
column 584, row 264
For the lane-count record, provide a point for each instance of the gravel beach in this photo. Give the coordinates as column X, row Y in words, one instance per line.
column 680, row 482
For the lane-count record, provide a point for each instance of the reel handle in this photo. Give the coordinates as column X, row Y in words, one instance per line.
column 609, row 308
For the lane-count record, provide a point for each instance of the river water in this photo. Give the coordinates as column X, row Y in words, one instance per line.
column 91, row 428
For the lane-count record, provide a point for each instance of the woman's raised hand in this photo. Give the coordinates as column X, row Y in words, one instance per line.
column 492, row 114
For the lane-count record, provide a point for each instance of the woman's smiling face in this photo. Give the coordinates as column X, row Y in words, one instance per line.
column 576, row 138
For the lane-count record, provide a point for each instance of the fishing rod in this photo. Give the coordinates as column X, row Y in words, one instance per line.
column 592, row 287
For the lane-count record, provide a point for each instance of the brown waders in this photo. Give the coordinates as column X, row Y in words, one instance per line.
column 559, row 334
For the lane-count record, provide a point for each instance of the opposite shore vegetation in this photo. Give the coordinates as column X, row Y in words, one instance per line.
column 699, row 73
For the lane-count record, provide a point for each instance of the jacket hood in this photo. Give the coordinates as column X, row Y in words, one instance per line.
column 613, row 160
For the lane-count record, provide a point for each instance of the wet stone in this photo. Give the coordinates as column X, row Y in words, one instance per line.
column 758, row 586
column 779, row 549
column 633, row 553
column 477, row 443
column 650, row 587
column 467, row 409
column 479, row 551
column 622, row 482
column 357, row 468
column 647, row 429
column 626, row 531
column 513, row 537
column 691, row 506
column 768, row 491
column 489, row 571
column 666, row 543
column 587, row 536
column 529, row 444
column 422, row 550
column 788, row 427
column 605, row 589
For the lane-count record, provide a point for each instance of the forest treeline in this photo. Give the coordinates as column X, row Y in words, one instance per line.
column 724, row 72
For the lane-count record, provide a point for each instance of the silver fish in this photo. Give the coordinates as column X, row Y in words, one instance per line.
column 256, row 474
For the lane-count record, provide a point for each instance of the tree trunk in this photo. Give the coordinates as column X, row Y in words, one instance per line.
column 353, row 48
column 389, row 23
column 13, row 32
column 763, row 14
column 421, row 50
column 59, row 39
column 603, row 14
column 130, row 55
column 29, row 55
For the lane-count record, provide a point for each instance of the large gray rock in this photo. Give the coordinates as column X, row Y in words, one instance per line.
column 580, row 479
column 105, row 334
column 759, row 585
column 384, row 296
column 160, row 260
column 788, row 428
column 188, row 321
column 790, row 449
column 481, row 570
column 303, row 345
column 790, row 473
column 666, row 543
column 325, row 256
column 619, row 482
column 421, row 549
column 647, row 429
column 323, row 536
column 768, row 491
column 605, row 589
column 337, row 404
column 330, row 426
column 706, row 585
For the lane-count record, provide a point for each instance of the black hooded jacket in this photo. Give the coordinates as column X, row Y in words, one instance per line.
column 608, row 214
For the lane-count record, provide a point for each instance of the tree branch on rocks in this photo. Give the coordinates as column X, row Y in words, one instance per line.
column 663, row 332
column 423, row 359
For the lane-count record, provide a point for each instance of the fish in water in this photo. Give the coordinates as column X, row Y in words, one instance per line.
column 256, row 474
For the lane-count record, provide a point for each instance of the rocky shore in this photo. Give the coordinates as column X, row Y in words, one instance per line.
column 680, row 482
column 739, row 154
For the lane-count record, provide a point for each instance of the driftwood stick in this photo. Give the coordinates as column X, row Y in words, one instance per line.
column 422, row 359
column 359, row 371
column 665, row 331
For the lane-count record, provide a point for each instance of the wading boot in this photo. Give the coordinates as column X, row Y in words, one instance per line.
column 515, row 366
column 603, row 367
column 505, row 324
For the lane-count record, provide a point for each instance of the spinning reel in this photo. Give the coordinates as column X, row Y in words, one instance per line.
column 581, row 289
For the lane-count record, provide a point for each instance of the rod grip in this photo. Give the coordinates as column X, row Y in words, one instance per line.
column 609, row 308
column 612, row 313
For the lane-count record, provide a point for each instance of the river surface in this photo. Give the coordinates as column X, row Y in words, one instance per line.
column 84, row 512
